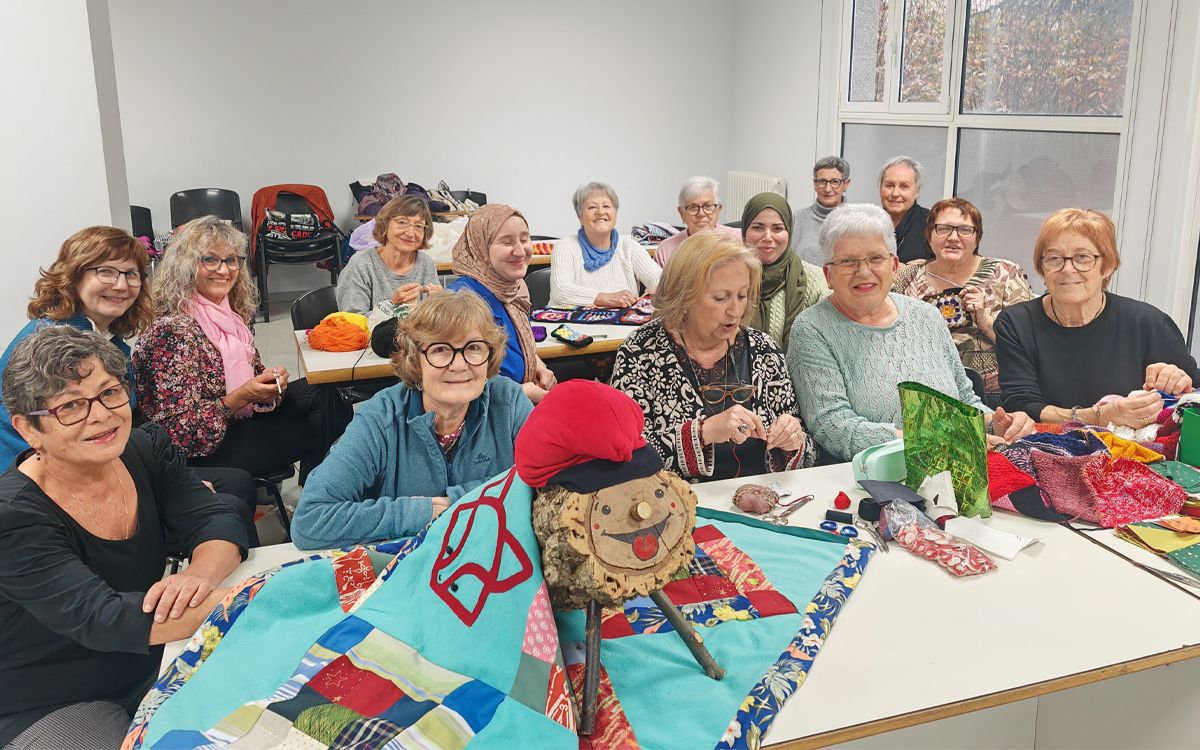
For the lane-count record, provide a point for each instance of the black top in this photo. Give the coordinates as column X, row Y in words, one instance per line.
column 71, row 622
column 910, row 235
column 1043, row 363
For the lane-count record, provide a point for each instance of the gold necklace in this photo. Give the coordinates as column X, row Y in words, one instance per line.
column 90, row 507
column 1053, row 309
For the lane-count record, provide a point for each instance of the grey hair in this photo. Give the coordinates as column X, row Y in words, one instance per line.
column 175, row 277
column 584, row 191
column 49, row 359
column 917, row 169
column 856, row 220
column 832, row 162
column 694, row 187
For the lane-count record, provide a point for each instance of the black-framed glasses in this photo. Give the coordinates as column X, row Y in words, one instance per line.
column 213, row 263
column 834, row 183
column 77, row 409
column 110, row 275
column 1081, row 261
column 715, row 393
column 963, row 230
column 440, row 354
column 696, row 208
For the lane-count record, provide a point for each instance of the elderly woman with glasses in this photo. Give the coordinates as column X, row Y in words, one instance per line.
column 831, row 180
column 397, row 271
column 199, row 374
column 597, row 266
column 1078, row 352
column 98, row 282
column 88, row 514
column 715, row 393
column 850, row 350
column 417, row 447
column 700, row 209
column 968, row 288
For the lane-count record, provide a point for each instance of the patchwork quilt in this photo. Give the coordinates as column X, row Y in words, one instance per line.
column 447, row 640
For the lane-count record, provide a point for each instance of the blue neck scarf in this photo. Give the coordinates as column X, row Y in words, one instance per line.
column 594, row 259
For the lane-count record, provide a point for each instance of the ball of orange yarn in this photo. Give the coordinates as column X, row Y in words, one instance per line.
column 337, row 335
column 355, row 318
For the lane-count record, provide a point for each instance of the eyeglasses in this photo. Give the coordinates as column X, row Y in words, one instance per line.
column 834, row 183
column 77, row 410
column 109, row 275
column 1081, row 261
column 441, row 354
column 715, row 394
column 403, row 226
column 964, row 230
column 213, row 263
column 850, row 265
column 708, row 208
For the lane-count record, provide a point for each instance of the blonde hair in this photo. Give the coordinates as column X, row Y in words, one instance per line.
column 689, row 270
column 56, row 293
column 1093, row 225
column 443, row 317
column 175, row 278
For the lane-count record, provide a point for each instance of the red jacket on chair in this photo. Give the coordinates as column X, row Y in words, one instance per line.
column 264, row 198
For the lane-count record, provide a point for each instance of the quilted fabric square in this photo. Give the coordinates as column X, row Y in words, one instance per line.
column 722, row 583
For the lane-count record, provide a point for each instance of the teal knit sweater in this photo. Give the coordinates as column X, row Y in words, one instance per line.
column 846, row 373
column 379, row 480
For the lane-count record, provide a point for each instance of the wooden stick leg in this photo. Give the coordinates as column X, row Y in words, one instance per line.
column 690, row 637
column 591, row 674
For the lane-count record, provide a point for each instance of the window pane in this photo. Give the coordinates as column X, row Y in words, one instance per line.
column 867, row 147
column 1056, row 57
column 868, row 42
column 924, row 50
column 1018, row 177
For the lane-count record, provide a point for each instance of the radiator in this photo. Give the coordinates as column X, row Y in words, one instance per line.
column 742, row 186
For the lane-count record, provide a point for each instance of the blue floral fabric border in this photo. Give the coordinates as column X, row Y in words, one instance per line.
column 789, row 671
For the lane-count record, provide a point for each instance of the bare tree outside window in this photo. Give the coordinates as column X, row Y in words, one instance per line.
column 1054, row 57
column 868, row 46
column 923, row 54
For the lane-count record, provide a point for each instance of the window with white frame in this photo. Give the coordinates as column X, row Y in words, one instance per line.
column 1019, row 106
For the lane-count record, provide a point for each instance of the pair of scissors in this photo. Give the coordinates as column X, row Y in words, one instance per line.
column 779, row 516
column 871, row 529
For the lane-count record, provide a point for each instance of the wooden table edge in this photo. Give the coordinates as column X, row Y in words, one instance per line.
column 988, row 700
column 348, row 375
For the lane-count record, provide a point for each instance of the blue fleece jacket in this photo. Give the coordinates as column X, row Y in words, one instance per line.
column 379, row 480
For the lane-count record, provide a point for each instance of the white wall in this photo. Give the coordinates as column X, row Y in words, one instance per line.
column 523, row 100
column 776, row 74
column 61, row 162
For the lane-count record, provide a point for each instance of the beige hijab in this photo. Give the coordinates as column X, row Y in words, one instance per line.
column 471, row 258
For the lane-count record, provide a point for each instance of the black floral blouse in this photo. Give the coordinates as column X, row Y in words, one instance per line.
column 649, row 369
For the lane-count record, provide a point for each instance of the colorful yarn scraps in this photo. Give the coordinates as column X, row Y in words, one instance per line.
column 1104, row 491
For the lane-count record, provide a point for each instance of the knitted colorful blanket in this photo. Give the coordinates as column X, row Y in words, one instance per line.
column 447, row 640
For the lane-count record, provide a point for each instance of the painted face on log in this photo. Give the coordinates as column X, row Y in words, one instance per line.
column 638, row 526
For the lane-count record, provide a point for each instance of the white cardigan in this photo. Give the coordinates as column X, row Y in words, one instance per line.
column 571, row 285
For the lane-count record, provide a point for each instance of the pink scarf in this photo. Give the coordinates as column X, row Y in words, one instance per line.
column 232, row 338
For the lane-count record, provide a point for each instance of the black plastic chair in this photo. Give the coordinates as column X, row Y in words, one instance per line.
column 142, row 225
column 192, row 204
column 976, row 379
column 539, row 288
column 542, row 238
column 325, row 246
column 479, row 199
column 310, row 307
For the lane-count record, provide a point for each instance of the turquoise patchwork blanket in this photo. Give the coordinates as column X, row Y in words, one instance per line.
column 447, row 640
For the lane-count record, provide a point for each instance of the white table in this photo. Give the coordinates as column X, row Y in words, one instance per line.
column 1012, row 658
column 347, row 367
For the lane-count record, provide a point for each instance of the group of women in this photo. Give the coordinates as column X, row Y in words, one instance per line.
column 756, row 361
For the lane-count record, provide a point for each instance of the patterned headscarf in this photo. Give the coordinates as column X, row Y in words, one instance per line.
column 471, row 258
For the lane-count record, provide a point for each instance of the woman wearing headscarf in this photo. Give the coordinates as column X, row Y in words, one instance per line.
column 789, row 284
column 490, row 259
